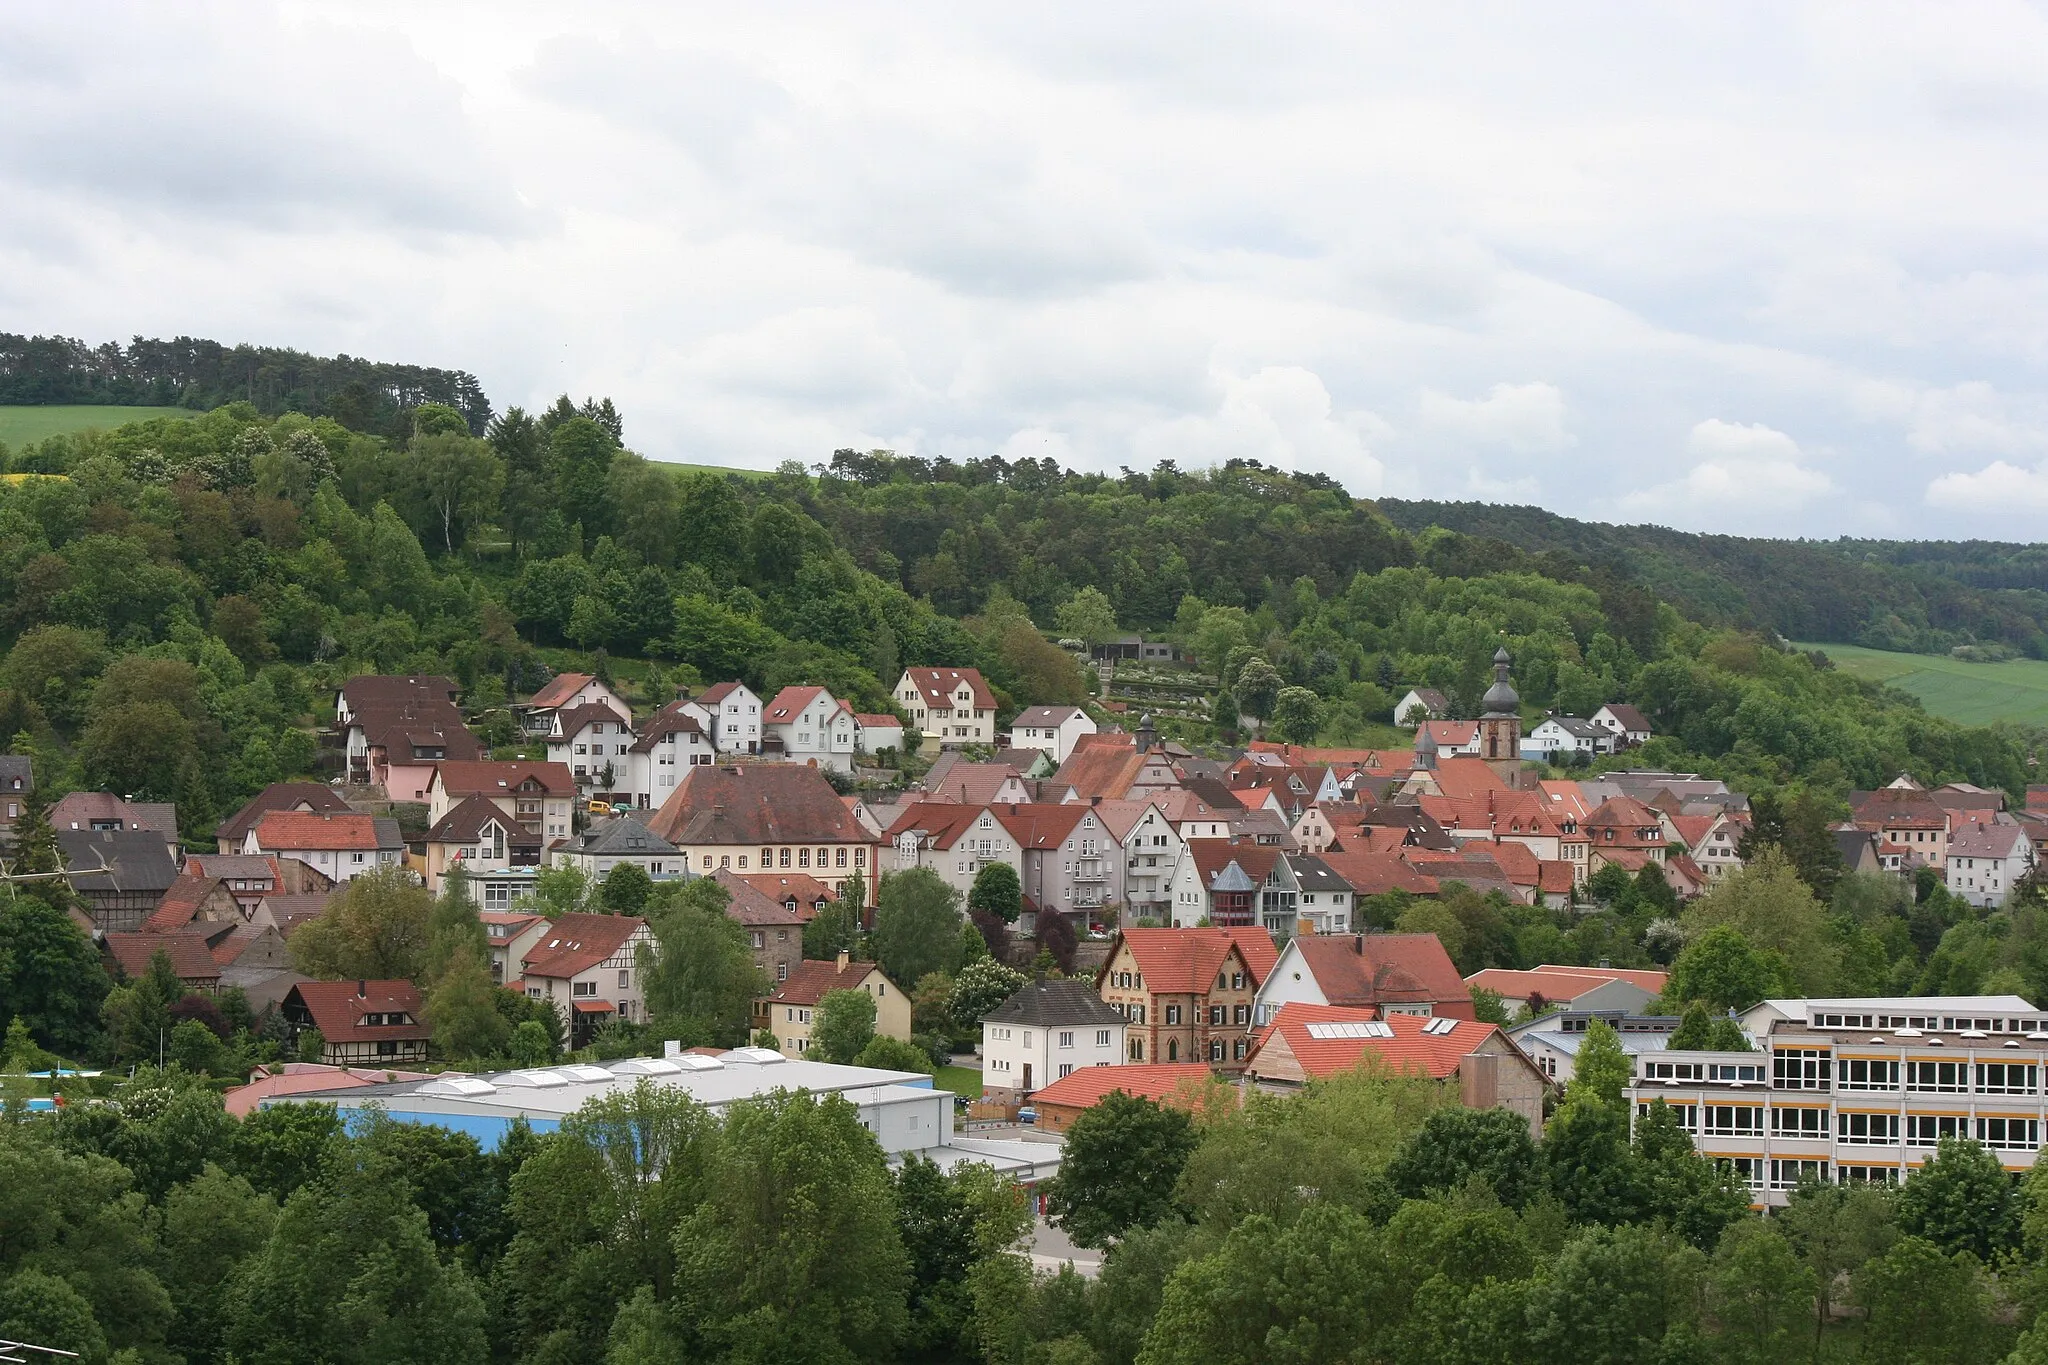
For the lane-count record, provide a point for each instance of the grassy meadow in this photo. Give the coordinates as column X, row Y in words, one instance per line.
column 20, row 426
column 1970, row 694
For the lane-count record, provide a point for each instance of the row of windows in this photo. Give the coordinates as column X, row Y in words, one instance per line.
column 803, row 858
column 1918, row 1130
column 1950, row 1078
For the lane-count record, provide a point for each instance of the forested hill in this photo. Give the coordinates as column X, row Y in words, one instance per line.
column 1925, row 596
column 363, row 395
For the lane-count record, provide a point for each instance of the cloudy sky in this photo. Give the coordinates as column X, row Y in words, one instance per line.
column 1773, row 268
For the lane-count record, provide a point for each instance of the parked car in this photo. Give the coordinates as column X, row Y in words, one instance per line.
column 1027, row 1115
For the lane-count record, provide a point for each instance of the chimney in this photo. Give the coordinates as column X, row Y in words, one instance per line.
column 1358, row 944
column 844, row 958
column 362, row 989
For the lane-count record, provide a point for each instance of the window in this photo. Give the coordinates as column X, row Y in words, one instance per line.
column 1137, row 1049
column 1066, row 1070
column 1066, row 1040
column 1946, row 1078
column 2007, row 1078
column 1173, row 1014
column 1237, row 1050
column 625, row 978
column 583, row 989
column 1732, row 1120
column 1874, row 1175
column 2009, row 1133
column 1215, row 1049
column 1800, row 1069
column 1786, row 1175
column 1102, row 1037
column 1799, row 1123
column 1927, row 1130
column 1867, row 1128
column 1868, row 1073
column 1215, row 1016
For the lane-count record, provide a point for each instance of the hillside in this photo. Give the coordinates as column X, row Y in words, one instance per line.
column 2015, row 690
column 1919, row 596
column 25, row 425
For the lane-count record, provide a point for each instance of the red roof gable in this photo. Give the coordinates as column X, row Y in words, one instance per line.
column 576, row 943
column 559, row 689
column 1185, row 961
column 502, row 779
column 289, row 829
column 1412, row 1048
column 937, row 685
column 1173, row 1083
column 189, row 955
column 338, row 1010
column 810, row 979
column 1365, row 970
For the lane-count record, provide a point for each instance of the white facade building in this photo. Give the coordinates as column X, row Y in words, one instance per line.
column 1046, row 1031
column 731, row 714
column 811, row 726
column 1052, row 729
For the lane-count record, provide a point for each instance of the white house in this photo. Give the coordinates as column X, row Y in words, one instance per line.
column 1565, row 739
column 566, row 692
column 1151, row 848
column 1985, row 860
column 671, row 744
column 1044, row 1032
column 587, row 967
column 1325, row 898
column 621, row 839
column 954, row 841
column 951, row 705
column 592, row 741
column 1629, row 726
column 731, row 714
column 1428, row 698
column 1053, row 729
column 811, row 726
column 340, row 846
column 875, row 732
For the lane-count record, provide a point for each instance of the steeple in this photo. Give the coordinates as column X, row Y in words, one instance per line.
column 1500, row 728
column 1501, row 699
column 1425, row 748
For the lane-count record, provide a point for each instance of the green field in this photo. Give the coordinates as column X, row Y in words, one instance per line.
column 961, row 1080
column 27, row 425
column 1972, row 694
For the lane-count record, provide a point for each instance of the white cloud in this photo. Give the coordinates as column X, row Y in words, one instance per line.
column 1998, row 489
column 1279, row 416
column 1747, row 476
column 1489, row 489
column 1523, row 418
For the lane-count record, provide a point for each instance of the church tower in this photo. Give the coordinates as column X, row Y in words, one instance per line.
column 1500, row 728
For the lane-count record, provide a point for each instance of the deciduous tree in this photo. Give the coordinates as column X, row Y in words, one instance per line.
column 1122, row 1159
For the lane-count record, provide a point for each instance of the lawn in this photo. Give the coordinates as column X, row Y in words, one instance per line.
column 961, row 1080
column 20, row 426
column 1971, row 694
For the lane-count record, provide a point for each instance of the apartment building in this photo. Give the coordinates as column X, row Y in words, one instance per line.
column 1863, row 1089
column 1186, row 994
column 953, row 706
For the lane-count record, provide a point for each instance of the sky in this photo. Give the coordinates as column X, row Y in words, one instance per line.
column 1772, row 269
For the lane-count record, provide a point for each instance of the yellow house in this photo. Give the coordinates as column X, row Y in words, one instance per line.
column 789, row 1012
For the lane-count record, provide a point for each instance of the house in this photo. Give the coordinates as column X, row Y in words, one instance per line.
column 1432, row 703
column 797, row 891
column 313, row 798
column 395, row 729
column 1069, row 861
column 1151, row 847
column 1052, row 729
column 1531, row 992
column 1230, row 883
column 1858, row 849
column 509, row 935
column 17, row 780
column 874, row 732
column 954, row 841
column 1045, row 1032
column 1388, row 973
column 766, row 817
column 592, row 741
column 953, row 706
column 128, row 955
column 1117, row 768
column 953, row 778
column 606, row 843
column 1628, row 725
column 342, row 847
column 106, row 811
column 479, row 835
column 1475, row 1061
column 566, row 692
column 540, row 797
column 586, row 966
column 1985, row 862
column 1324, row 904
column 1135, row 647
column 1552, row 1040
column 360, row 1021
column 1181, row 1085
column 1452, row 737
column 1565, row 740
column 774, row 928
column 809, row 725
column 670, row 744
column 789, row 1013
column 1186, row 994
column 1623, row 830
column 1912, row 827
column 1714, row 841
column 123, row 873
column 238, row 888
column 731, row 714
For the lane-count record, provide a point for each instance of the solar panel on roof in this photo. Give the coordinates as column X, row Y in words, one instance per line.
column 1440, row 1027
column 1350, row 1028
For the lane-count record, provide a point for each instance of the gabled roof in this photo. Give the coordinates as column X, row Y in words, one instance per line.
column 781, row 887
column 789, row 703
column 1418, row 1044
column 810, row 979
column 1450, row 734
column 1042, row 826
column 17, row 768
column 1183, row 961
column 1365, row 970
column 314, row 796
column 1464, row 775
column 289, row 829
column 717, row 693
column 1560, row 985
column 753, row 908
column 576, row 943
column 80, row 809
column 974, row 784
column 1373, row 872
column 937, row 686
column 1577, row 727
column 1160, row 1082
column 753, row 804
column 502, row 779
column 1215, row 857
column 1055, row 1004
column 366, row 689
column 571, row 721
column 338, row 1010
column 670, row 720
column 1980, row 839
column 465, row 821
column 138, row 861
column 559, row 689
column 1311, row 873
column 622, row 836
column 1121, row 817
column 1431, row 697
column 1625, row 815
column 875, row 720
column 941, row 823
column 1102, row 765
column 1046, row 717
column 1632, row 721
column 187, row 950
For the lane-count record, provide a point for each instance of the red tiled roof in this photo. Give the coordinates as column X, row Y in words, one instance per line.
column 1163, row 1082
column 780, row 886
column 315, row 796
column 560, row 688
column 1184, row 961
column 1647, row 978
column 1039, row 826
column 1559, row 986
column 1463, row 775
column 501, row 779
column 189, row 955
column 942, row 822
column 569, row 722
column 1373, row 871
column 787, row 704
column 1410, row 1049
column 337, row 1010
column 1102, row 765
column 576, row 943
column 1554, row 878
column 756, row 803
column 288, row 829
column 754, row 908
column 810, row 979
column 938, row 685
column 870, row 721
column 1365, row 970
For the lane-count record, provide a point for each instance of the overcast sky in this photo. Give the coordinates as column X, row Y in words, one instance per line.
column 1776, row 268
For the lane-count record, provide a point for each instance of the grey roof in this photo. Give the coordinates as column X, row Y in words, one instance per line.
column 137, row 860
column 1855, row 845
column 1577, row 728
column 1047, row 716
column 622, row 837
column 388, row 833
column 1050, row 1004
column 1979, row 840
column 1314, row 874
column 1631, row 719
column 17, row 765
